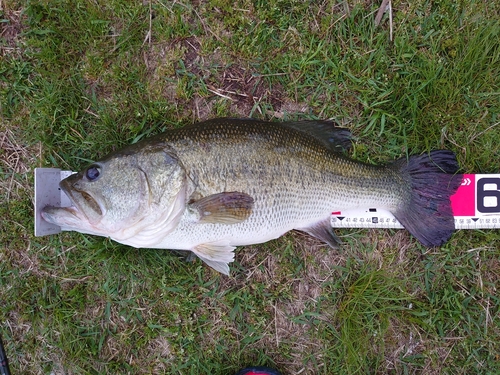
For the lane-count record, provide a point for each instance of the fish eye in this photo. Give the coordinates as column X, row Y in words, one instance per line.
column 93, row 172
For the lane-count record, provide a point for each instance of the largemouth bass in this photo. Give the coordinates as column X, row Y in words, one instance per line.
column 222, row 183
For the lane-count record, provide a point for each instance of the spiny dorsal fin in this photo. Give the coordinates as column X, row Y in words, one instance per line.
column 223, row 208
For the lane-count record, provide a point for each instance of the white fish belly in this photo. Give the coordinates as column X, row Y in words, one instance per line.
column 267, row 221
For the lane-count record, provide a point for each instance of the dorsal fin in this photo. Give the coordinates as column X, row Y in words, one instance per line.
column 335, row 138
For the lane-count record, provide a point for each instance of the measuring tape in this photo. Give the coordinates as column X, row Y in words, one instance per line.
column 475, row 205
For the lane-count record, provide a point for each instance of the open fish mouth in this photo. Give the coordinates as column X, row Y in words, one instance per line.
column 82, row 200
column 89, row 201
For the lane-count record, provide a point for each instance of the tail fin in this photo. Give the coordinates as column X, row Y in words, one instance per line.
column 433, row 178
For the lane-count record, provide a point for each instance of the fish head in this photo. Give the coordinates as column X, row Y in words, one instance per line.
column 124, row 193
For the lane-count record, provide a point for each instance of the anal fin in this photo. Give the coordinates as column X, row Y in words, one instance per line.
column 324, row 231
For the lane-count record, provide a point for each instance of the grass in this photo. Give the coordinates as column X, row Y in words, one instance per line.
column 78, row 80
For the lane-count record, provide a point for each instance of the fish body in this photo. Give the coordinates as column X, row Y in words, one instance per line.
column 222, row 183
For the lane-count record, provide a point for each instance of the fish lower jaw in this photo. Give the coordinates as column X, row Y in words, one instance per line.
column 60, row 215
column 70, row 219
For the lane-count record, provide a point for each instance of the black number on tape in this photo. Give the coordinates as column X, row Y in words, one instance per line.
column 488, row 201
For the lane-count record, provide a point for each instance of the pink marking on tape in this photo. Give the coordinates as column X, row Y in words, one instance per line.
column 463, row 202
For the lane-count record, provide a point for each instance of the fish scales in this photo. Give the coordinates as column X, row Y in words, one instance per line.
column 294, row 180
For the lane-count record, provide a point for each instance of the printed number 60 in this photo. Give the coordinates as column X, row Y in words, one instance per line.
column 488, row 195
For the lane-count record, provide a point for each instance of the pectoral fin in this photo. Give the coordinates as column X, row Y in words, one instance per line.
column 324, row 231
column 217, row 255
column 223, row 208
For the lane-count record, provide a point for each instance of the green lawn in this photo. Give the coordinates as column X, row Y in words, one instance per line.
column 81, row 78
